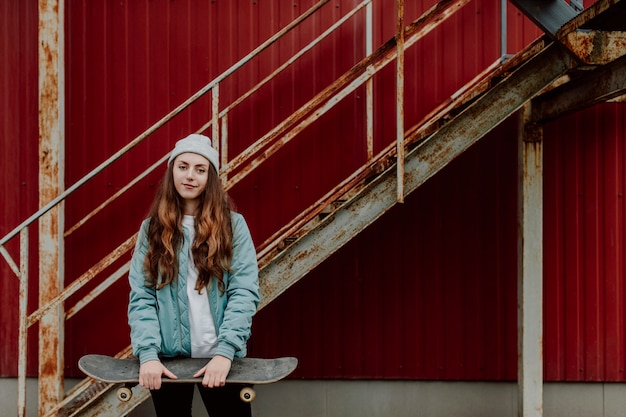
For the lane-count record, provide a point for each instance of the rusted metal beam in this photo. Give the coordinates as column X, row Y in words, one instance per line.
column 596, row 47
column 599, row 85
column 598, row 34
column 375, row 165
column 51, row 183
column 302, row 224
column 108, row 404
column 80, row 397
column 87, row 392
column 421, row 163
column 490, row 109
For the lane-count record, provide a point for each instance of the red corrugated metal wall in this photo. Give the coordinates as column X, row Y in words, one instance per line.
column 18, row 157
column 585, row 236
column 428, row 291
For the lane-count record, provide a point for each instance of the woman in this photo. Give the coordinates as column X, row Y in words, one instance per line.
column 194, row 284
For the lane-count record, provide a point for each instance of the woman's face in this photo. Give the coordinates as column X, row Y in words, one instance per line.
column 190, row 173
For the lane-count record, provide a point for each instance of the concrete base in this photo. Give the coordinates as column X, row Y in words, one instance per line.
column 391, row 398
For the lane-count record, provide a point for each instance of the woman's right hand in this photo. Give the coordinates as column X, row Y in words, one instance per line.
column 150, row 374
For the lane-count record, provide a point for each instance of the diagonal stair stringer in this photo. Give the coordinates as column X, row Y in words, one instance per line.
column 425, row 160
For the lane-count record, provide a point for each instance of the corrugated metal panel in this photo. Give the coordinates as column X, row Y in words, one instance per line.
column 585, row 244
column 429, row 290
column 18, row 159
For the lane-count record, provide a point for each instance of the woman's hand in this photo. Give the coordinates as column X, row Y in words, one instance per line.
column 150, row 374
column 215, row 372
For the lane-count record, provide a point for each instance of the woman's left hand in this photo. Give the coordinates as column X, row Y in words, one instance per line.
column 215, row 372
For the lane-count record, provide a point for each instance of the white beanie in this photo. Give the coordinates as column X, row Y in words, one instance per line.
column 199, row 144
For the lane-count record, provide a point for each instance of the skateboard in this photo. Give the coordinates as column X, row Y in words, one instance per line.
column 245, row 371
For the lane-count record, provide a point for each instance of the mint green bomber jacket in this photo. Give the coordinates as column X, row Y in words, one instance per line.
column 159, row 320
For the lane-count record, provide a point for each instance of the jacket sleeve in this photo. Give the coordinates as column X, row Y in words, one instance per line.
column 142, row 307
column 242, row 293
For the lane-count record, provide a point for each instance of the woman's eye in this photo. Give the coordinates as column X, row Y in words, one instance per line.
column 201, row 170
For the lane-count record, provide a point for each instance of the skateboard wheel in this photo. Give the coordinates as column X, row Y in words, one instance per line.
column 124, row 394
column 247, row 394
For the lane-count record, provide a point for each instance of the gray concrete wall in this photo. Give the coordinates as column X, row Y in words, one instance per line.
column 396, row 399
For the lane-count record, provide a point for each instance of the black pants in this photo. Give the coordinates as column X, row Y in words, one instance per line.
column 174, row 400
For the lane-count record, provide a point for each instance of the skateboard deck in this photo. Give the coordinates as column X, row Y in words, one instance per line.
column 245, row 371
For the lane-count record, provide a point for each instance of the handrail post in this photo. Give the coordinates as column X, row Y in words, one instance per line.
column 369, row 85
column 215, row 116
column 400, row 100
column 224, row 147
column 23, row 325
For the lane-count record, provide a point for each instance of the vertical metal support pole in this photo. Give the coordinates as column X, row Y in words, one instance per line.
column 51, row 182
column 23, row 342
column 503, row 30
column 224, row 148
column 400, row 100
column 215, row 116
column 369, row 84
column 530, row 267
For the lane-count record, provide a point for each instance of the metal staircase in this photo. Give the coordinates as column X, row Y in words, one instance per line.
column 418, row 153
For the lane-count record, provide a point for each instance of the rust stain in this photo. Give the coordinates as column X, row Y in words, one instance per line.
column 596, row 47
column 50, row 343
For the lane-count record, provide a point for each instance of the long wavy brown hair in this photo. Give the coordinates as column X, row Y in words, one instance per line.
column 212, row 248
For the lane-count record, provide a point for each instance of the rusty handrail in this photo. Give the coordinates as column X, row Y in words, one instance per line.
column 208, row 87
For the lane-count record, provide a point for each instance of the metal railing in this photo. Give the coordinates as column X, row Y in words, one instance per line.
column 237, row 168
